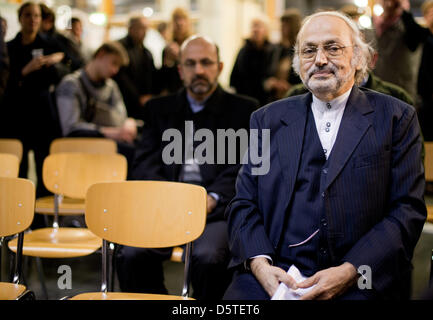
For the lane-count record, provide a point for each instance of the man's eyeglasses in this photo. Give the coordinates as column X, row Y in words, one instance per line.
column 331, row 51
column 205, row 63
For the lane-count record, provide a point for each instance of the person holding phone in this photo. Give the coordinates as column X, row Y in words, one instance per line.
column 33, row 72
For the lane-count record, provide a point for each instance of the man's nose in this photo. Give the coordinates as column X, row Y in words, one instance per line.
column 198, row 68
column 321, row 58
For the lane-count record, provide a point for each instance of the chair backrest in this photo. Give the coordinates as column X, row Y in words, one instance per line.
column 428, row 161
column 17, row 205
column 9, row 165
column 71, row 174
column 85, row 145
column 150, row 214
column 12, row 146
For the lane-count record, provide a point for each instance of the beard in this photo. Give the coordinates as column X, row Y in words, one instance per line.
column 200, row 85
column 330, row 83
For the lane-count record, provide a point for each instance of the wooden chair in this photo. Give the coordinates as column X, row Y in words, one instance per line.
column 428, row 164
column 12, row 146
column 9, row 165
column 85, row 145
column 71, row 174
column 70, row 206
column 16, row 215
column 147, row 214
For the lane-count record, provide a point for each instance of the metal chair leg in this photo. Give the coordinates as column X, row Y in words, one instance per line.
column 431, row 270
column 40, row 271
column 112, row 270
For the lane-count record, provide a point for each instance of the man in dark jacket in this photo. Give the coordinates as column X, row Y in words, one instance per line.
column 137, row 81
column 4, row 61
column 252, row 63
column 202, row 106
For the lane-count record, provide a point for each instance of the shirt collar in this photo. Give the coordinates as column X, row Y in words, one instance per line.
column 333, row 105
column 194, row 104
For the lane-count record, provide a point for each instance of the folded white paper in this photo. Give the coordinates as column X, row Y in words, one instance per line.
column 285, row 293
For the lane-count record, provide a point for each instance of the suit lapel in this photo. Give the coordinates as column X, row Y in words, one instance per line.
column 290, row 141
column 354, row 125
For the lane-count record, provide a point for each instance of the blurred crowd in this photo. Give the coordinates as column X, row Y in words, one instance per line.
column 41, row 65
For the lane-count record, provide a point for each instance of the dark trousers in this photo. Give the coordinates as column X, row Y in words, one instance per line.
column 140, row 270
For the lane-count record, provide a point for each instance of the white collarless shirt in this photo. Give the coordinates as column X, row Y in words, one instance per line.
column 327, row 116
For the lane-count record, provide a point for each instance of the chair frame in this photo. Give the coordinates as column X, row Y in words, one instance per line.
column 18, row 258
column 106, row 272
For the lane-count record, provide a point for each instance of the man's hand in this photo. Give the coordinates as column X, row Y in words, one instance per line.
column 129, row 131
column 330, row 282
column 211, row 204
column 269, row 276
column 144, row 98
column 34, row 65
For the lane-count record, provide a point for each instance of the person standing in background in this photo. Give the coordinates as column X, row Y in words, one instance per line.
column 397, row 62
column 170, row 81
column 417, row 35
column 73, row 58
column 138, row 80
column 26, row 109
column 281, row 75
column 4, row 59
column 253, row 62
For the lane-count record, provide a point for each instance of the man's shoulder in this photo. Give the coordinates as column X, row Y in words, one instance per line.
column 386, row 104
column 282, row 107
column 69, row 83
column 239, row 100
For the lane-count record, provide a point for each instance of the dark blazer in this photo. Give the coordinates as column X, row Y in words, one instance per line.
column 222, row 111
column 138, row 78
column 374, row 189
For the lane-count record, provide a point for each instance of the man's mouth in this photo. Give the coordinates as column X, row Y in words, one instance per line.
column 321, row 74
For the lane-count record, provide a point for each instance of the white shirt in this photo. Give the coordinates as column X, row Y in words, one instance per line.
column 327, row 116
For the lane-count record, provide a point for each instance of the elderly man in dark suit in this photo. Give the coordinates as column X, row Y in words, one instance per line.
column 344, row 193
column 202, row 106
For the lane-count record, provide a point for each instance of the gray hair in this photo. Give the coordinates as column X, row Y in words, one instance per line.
column 362, row 51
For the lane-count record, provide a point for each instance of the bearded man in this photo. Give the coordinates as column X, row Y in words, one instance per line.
column 205, row 105
column 344, row 193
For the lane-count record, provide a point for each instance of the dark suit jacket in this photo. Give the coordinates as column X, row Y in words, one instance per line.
column 222, row 111
column 374, row 189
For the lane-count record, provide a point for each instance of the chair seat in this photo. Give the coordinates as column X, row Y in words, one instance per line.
column 68, row 206
column 125, row 296
column 430, row 213
column 58, row 243
column 176, row 255
column 10, row 291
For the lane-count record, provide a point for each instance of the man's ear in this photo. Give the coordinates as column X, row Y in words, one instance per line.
column 220, row 66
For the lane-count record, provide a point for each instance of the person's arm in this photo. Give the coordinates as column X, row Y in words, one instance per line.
column 425, row 76
column 415, row 34
column 388, row 247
